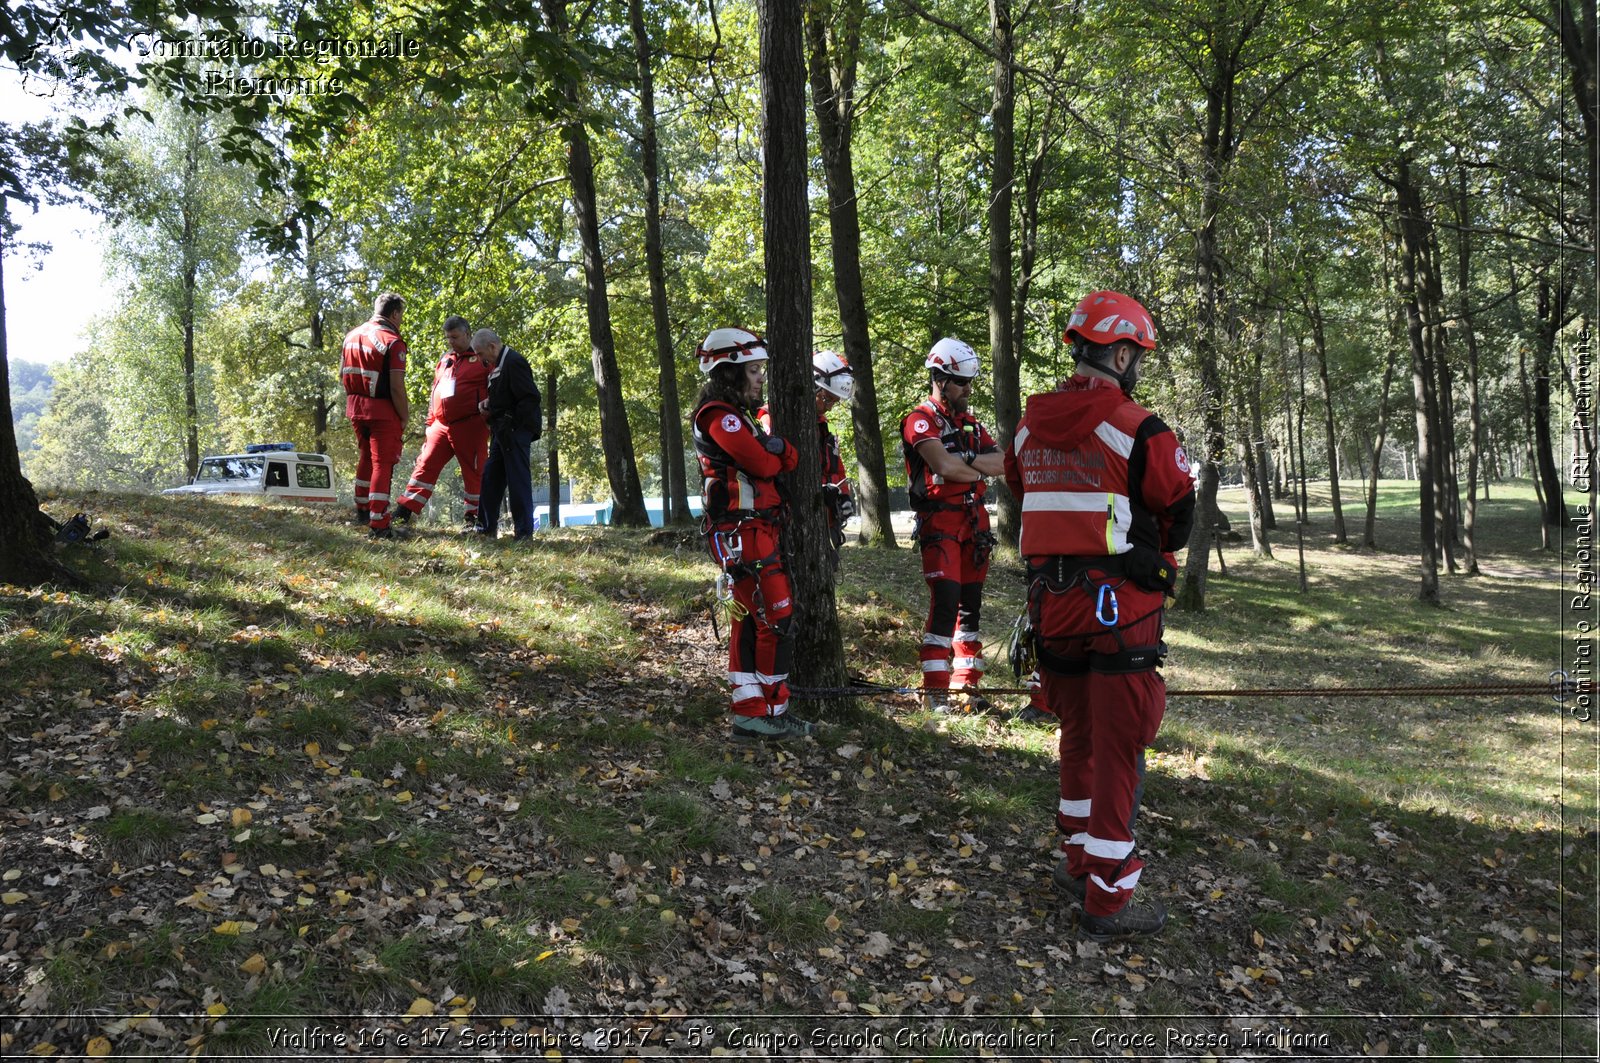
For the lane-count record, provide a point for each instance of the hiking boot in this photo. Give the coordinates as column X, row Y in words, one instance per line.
column 1076, row 886
column 771, row 728
column 1034, row 714
column 975, row 703
column 938, row 701
column 1134, row 921
column 383, row 533
column 359, row 515
column 402, row 515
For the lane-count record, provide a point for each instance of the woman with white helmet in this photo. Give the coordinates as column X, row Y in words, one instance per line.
column 835, row 381
column 740, row 463
column 948, row 454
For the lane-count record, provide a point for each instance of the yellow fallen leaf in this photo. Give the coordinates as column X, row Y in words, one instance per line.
column 669, row 916
column 832, row 923
column 217, row 1010
column 43, row 1048
column 474, row 875
column 254, row 965
column 858, row 833
column 98, row 1047
column 421, row 1006
column 545, row 955
column 234, row 927
column 313, row 748
column 14, row 898
column 403, row 796
column 242, row 817
column 57, row 792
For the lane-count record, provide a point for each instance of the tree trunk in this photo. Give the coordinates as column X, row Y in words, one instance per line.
column 186, row 310
column 1475, row 411
column 1259, row 454
column 674, row 485
column 616, row 437
column 833, row 98
column 819, row 655
column 552, row 382
column 1319, row 339
column 319, row 396
column 1369, row 537
column 1007, row 381
column 1412, row 236
column 1550, row 313
column 25, row 556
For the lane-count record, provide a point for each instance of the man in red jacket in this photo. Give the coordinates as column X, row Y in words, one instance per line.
column 373, row 371
column 456, row 426
column 1106, row 500
column 744, row 511
column 948, row 455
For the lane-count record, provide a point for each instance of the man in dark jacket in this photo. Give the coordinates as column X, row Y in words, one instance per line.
column 513, row 411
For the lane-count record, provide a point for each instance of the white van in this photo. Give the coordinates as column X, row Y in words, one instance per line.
column 276, row 470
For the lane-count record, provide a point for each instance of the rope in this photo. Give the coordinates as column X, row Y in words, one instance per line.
column 1556, row 688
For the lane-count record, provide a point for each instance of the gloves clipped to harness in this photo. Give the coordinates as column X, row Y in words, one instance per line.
column 1150, row 570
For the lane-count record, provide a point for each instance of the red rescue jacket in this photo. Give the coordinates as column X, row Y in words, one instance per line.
column 371, row 352
column 460, row 382
column 959, row 434
column 740, row 474
column 1098, row 474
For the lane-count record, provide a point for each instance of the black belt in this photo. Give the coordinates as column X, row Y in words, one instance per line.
column 1063, row 569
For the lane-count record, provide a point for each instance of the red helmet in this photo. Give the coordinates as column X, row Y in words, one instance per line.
column 1103, row 318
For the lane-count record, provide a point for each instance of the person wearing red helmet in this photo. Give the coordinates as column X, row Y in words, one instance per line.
column 834, row 380
column 948, row 455
column 1106, row 500
column 740, row 463
column 456, row 426
column 372, row 369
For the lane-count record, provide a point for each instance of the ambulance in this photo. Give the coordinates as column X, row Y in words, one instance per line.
column 276, row 470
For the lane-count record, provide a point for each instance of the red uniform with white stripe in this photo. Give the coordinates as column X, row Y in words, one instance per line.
column 371, row 352
column 1104, row 486
column 742, row 511
column 950, row 520
column 456, row 429
column 832, row 465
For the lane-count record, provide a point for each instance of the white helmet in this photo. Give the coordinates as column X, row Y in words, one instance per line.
column 730, row 346
column 833, row 374
column 953, row 358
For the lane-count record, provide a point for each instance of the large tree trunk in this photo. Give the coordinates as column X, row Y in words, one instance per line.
column 1412, row 238
column 25, row 556
column 833, row 78
column 674, row 484
column 616, row 437
column 819, row 655
column 320, row 404
column 1447, row 491
column 1007, row 379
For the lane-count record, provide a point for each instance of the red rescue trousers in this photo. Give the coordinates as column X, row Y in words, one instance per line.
column 952, row 649
column 467, row 441
column 1107, row 717
column 377, row 451
column 761, row 638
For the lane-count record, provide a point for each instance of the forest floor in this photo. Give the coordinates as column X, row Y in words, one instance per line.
column 269, row 789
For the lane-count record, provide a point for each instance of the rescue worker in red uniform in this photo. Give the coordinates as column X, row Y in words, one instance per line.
column 456, row 426
column 835, row 381
column 740, row 463
column 948, row 454
column 373, row 372
column 1106, row 500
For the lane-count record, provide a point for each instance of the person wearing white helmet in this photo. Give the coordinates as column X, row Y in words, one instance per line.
column 739, row 464
column 835, row 381
column 948, row 455
column 1106, row 499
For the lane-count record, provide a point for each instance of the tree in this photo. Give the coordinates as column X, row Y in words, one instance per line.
column 616, row 435
column 819, row 655
column 834, row 54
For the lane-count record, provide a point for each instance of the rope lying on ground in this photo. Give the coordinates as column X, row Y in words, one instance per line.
column 1559, row 689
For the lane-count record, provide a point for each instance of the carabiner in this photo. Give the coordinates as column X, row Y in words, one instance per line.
column 1105, row 594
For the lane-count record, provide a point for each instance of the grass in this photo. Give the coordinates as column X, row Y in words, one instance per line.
column 452, row 777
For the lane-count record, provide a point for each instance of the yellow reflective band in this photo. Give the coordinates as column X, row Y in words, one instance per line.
column 1111, row 523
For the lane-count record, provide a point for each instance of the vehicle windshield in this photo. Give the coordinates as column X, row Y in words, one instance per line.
column 219, row 470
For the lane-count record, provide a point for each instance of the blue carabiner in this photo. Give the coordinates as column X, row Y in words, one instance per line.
column 1106, row 594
